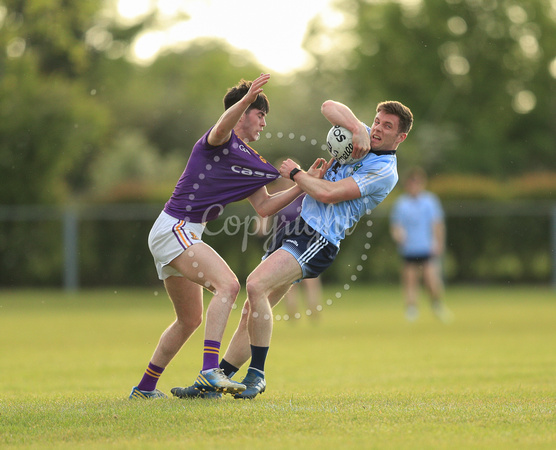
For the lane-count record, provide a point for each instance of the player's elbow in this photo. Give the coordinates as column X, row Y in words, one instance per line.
column 327, row 197
column 332, row 193
column 263, row 209
column 264, row 213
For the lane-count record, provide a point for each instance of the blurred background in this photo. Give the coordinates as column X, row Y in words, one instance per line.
column 101, row 102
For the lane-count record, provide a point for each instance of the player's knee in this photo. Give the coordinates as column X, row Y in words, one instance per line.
column 228, row 289
column 197, row 321
column 191, row 322
column 232, row 289
column 255, row 289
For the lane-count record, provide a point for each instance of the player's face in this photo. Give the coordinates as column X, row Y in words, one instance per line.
column 384, row 132
column 252, row 123
column 414, row 186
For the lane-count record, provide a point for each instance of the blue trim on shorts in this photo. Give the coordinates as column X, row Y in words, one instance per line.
column 312, row 251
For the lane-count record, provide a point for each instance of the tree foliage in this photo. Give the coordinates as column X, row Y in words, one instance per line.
column 79, row 120
column 52, row 32
column 48, row 127
column 476, row 74
column 48, row 122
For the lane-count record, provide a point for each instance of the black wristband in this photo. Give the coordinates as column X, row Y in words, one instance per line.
column 293, row 172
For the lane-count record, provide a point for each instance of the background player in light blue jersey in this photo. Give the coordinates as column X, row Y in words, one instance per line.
column 417, row 226
column 336, row 199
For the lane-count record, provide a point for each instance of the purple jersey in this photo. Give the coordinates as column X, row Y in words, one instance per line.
column 290, row 212
column 216, row 176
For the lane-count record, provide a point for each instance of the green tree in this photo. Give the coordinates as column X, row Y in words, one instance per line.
column 47, row 127
column 174, row 100
column 477, row 75
column 52, row 31
column 49, row 124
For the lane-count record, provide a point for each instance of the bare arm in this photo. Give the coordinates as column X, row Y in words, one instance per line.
column 439, row 236
column 266, row 204
column 398, row 234
column 222, row 131
column 339, row 114
column 322, row 190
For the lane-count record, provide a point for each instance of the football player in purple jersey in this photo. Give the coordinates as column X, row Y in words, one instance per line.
column 338, row 196
column 221, row 169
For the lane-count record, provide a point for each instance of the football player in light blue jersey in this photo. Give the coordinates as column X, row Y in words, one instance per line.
column 375, row 177
column 417, row 226
column 337, row 197
column 222, row 168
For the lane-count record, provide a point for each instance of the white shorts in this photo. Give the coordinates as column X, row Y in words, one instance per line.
column 169, row 238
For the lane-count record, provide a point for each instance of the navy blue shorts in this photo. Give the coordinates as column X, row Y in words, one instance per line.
column 417, row 259
column 313, row 252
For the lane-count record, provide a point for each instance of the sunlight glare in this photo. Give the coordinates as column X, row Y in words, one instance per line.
column 272, row 32
column 131, row 9
column 148, row 45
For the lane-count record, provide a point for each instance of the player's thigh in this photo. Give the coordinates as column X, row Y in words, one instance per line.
column 431, row 275
column 187, row 298
column 411, row 273
column 201, row 264
column 275, row 273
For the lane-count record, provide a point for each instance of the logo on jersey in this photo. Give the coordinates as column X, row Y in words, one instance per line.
column 332, row 173
column 248, row 150
column 252, row 173
column 243, row 148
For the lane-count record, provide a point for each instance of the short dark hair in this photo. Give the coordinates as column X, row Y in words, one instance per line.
column 416, row 173
column 239, row 91
column 400, row 110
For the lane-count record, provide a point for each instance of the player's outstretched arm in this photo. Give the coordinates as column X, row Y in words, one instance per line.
column 339, row 114
column 222, row 131
column 322, row 190
column 266, row 204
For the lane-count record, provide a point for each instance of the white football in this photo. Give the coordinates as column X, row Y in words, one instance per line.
column 340, row 144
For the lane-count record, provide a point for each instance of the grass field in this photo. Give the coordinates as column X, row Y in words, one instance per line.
column 359, row 378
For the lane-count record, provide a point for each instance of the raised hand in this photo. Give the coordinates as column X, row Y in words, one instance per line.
column 319, row 167
column 257, row 87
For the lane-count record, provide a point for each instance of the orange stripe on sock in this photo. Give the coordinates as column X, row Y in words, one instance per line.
column 152, row 373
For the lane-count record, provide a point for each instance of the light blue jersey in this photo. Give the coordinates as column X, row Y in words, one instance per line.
column 376, row 175
column 417, row 216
